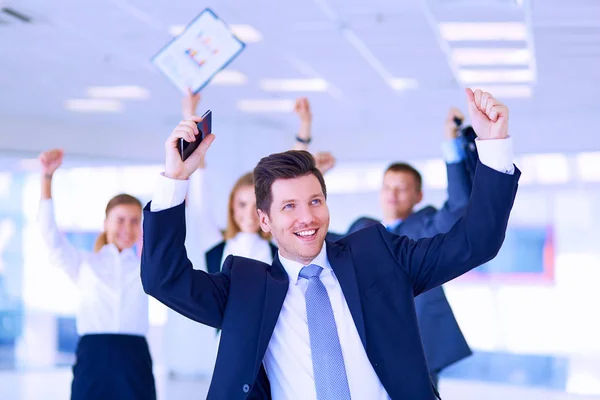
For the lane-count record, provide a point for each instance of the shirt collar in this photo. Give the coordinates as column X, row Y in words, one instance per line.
column 292, row 268
column 394, row 224
column 125, row 254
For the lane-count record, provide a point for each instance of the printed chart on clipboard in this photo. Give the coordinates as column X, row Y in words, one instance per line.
column 192, row 59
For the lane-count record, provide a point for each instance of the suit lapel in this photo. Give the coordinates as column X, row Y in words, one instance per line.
column 341, row 261
column 276, row 287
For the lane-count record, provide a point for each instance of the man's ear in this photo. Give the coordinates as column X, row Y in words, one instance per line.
column 419, row 197
column 264, row 220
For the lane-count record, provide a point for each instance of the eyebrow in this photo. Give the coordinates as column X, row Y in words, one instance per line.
column 295, row 200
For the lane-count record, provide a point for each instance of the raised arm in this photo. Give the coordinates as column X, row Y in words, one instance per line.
column 62, row 253
column 202, row 230
column 459, row 183
column 167, row 273
column 303, row 138
column 477, row 237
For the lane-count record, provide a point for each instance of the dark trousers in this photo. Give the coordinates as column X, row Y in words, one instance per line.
column 113, row 366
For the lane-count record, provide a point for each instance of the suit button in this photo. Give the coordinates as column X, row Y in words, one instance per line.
column 246, row 388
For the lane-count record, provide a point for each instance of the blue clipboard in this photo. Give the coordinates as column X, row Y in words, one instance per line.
column 205, row 47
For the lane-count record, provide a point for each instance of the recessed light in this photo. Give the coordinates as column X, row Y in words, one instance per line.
column 94, row 105
column 294, row 85
column 118, row 92
column 229, row 77
column 403, row 83
column 495, row 75
column 477, row 31
column 487, row 56
column 266, row 105
column 246, row 33
column 508, row 91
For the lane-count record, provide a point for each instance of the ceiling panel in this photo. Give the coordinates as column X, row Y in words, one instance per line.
column 72, row 45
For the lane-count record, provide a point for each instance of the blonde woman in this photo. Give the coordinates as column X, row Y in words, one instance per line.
column 113, row 359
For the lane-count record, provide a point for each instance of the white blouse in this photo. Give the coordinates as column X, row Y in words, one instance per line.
column 112, row 297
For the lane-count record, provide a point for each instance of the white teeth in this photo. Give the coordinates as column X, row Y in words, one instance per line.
column 306, row 233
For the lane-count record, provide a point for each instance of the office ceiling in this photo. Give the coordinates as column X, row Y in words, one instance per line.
column 391, row 70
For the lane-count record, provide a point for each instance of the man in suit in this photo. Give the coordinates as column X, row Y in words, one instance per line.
column 400, row 193
column 326, row 320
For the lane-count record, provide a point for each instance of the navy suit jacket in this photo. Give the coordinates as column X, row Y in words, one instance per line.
column 379, row 274
column 442, row 338
column 215, row 255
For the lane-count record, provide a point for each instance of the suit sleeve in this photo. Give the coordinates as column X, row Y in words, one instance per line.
column 459, row 192
column 168, row 275
column 475, row 239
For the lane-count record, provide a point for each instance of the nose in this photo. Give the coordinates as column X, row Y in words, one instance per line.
column 304, row 215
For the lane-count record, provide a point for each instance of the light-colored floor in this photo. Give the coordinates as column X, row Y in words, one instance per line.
column 55, row 383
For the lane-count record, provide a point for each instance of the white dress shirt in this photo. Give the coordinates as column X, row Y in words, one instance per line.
column 112, row 297
column 288, row 360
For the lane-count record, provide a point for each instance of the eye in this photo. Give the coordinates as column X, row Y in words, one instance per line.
column 316, row 202
column 288, row 206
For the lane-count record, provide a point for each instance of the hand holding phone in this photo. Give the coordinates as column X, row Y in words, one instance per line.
column 204, row 129
column 175, row 167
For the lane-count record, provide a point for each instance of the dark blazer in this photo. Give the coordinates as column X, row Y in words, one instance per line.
column 379, row 274
column 442, row 338
column 215, row 255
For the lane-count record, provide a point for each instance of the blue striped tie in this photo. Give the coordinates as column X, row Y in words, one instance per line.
column 329, row 371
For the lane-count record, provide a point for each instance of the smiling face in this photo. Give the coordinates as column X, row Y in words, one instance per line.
column 123, row 225
column 244, row 209
column 298, row 217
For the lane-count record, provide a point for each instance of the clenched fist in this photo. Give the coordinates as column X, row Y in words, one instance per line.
column 50, row 161
column 489, row 117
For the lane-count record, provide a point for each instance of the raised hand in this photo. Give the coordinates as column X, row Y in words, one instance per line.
column 325, row 161
column 489, row 117
column 450, row 128
column 50, row 161
column 186, row 130
column 302, row 108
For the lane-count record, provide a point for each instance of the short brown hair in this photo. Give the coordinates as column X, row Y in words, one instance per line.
column 404, row 167
column 232, row 227
column 118, row 200
column 288, row 165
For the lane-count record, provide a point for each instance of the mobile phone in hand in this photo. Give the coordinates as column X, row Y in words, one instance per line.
column 204, row 129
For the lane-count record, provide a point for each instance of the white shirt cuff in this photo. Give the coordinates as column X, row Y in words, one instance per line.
column 497, row 154
column 452, row 151
column 168, row 193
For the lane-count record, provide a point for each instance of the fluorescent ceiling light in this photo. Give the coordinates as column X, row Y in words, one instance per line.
column 588, row 166
column 508, row 91
column 94, row 105
column 403, row 83
column 484, row 56
column 246, row 33
column 278, row 105
column 229, row 77
column 495, row 75
column 118, row 92
column 476, row 31
column 294, row 85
